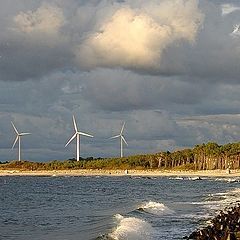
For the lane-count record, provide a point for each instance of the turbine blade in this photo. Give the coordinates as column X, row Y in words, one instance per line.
column 124, row 140
column 122, row 128
column 24, row 134
column 15, row 129
column 73, row 136
column 117, row 136
column 75, row 124
column 85, row 134
column 16, row 139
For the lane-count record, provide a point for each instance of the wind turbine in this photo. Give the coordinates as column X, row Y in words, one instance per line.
column 122, row 139
column 77, row 136
column 18, row 138
column 236, row 28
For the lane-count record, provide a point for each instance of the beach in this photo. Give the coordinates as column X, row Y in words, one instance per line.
column 151, row 173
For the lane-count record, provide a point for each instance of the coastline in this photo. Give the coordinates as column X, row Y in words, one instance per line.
column 224, row 226
column 150, row 173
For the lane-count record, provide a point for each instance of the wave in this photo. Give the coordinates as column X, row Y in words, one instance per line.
column 221, row 200
column 176, row 178
column 131, row 228
column 197, row 216
column 155, row 208
column 187, row 178
column 134, row 228
column 229, row 180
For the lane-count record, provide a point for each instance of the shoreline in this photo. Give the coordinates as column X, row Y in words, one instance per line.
column 224, row 226
column 150, row 173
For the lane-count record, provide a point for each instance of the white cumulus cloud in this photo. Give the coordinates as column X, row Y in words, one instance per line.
column 136, row 38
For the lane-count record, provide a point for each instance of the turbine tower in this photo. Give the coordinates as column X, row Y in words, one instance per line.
column 122, row 139
column 18, row 138
column 77, row 136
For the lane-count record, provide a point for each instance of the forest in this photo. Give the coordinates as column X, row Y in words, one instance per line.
column 209, row 156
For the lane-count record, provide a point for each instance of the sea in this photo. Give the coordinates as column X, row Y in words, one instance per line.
column 110, row 207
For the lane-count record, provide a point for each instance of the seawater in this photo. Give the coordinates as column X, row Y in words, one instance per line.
column 116, row 208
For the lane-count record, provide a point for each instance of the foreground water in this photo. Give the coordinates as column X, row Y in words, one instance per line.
column 121, row 208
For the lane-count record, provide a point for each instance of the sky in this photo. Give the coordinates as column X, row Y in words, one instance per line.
column 168, row 68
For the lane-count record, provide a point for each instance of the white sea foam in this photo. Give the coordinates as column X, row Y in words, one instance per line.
column 197, row 216
column 229, row 180
column 177, row 178
column 194, row 178
column 131, row 228
column 156, row 208
column 220, row 200
column 187, row 178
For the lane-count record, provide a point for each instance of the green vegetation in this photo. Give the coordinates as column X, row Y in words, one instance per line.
column 208, row 156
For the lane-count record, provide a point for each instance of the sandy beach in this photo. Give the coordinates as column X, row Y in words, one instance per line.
column 152, row 173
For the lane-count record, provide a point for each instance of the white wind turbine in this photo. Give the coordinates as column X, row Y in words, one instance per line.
column 122, row 139
column 236, row 31
column 77, row 136
column 18, row 138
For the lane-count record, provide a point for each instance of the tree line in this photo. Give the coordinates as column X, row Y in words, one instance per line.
column 209, row 156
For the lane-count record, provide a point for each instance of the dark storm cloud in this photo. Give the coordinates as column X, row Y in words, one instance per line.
column 114, row 90
column 29, row 47
column 22, row 61
column 216, row 54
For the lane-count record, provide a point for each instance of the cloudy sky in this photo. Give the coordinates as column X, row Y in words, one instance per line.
column 169, row 68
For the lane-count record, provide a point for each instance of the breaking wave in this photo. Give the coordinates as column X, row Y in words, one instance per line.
column 229, row 180
column 187, row 178
column 155, row 208
column 131, row 228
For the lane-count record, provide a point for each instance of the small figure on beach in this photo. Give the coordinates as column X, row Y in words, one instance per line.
column 228, row 171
